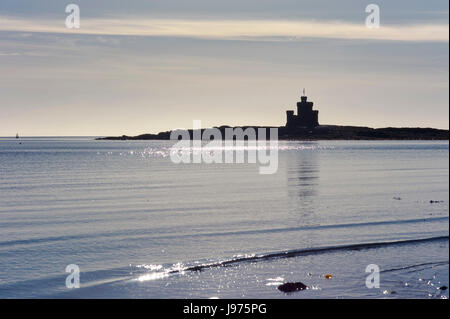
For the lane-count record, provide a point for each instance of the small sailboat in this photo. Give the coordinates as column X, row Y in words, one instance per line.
column 17, row 135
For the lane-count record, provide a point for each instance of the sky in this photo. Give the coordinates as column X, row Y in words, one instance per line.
column 145, row 66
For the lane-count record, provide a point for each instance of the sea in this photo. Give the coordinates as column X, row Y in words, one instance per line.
column 84, row 218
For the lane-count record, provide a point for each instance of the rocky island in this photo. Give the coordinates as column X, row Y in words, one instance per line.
column 305, row 126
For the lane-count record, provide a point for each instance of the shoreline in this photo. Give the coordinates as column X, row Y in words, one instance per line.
column 322, row 132
column 423, row 275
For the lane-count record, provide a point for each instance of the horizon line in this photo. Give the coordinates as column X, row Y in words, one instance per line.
column 231, row 126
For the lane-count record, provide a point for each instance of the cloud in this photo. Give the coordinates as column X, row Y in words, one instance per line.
column 9, row 53
column 234, row 29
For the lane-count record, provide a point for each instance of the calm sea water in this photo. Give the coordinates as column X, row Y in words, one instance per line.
column 139, row 226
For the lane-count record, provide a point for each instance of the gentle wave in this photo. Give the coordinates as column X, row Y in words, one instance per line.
column 415, row 266
column 180, row 269
column 318, row 250
column 217, row 234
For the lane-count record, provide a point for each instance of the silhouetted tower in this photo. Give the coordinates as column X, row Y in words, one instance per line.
column 306, row 116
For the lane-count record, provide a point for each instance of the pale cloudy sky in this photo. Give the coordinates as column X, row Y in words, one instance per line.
column 142, row 66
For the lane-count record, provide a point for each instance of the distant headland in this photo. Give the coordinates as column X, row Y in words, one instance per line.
column 305, row 126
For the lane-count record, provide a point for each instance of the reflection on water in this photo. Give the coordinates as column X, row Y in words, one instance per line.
column 303, row 182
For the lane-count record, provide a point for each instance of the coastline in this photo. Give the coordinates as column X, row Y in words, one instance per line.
column 322, row 132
